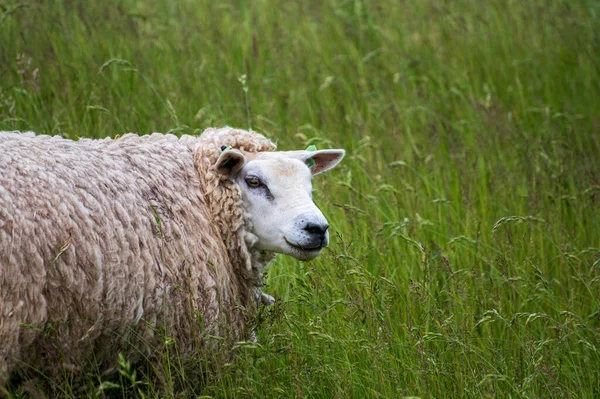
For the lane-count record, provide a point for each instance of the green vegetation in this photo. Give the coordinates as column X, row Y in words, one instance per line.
column 465, row 254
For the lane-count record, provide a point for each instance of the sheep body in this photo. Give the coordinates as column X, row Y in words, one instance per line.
column 111, row 241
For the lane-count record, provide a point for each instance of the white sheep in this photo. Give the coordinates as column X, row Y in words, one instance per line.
column 110, row 245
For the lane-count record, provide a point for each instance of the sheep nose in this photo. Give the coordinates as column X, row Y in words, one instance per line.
column 316, row 229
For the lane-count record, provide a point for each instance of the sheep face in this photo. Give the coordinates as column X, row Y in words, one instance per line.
column 277, row 197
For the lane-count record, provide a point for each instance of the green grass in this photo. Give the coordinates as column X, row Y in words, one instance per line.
column 465, row 254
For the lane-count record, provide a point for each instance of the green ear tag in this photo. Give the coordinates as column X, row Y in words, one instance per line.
column 311, row 162
column 227, row 162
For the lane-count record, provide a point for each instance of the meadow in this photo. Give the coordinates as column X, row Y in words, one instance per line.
column 465, row 218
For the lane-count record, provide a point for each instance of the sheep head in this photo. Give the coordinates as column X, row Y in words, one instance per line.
column 277, row 197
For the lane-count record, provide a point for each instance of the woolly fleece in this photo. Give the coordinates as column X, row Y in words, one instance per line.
column 114, row 241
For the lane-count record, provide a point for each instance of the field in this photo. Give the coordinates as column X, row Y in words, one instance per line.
column 465, row 218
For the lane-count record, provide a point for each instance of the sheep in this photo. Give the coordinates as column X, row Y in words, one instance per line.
column 113, row 245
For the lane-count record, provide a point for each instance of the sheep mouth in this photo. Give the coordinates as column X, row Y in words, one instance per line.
column 304, row 248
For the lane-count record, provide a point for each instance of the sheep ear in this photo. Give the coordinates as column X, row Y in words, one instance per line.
column 322, row 160
column 230, row 162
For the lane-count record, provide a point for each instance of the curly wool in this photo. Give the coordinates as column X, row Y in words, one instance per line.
column 109, row 241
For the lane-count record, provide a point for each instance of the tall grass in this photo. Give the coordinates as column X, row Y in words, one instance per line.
column 465, row 254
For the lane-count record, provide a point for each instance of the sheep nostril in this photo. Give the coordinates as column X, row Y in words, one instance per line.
column 316, row 229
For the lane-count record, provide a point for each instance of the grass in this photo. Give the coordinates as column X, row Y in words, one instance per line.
column 465, row 254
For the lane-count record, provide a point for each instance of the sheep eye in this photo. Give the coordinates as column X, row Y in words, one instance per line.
column 253, row 181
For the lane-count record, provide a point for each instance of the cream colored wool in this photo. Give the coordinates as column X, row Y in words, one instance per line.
column 108, row 241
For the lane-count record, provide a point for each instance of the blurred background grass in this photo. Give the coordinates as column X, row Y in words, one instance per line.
column 465, row 254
